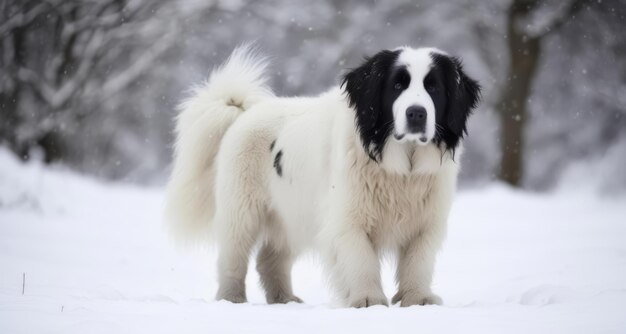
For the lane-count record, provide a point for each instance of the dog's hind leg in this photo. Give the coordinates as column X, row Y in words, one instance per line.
column 241, row 202
column 274, row 263
column 236, row 242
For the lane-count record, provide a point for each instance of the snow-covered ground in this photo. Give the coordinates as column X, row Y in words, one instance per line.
column 96, row 260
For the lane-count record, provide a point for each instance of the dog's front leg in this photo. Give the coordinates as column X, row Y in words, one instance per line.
column 416, row 263
column 355, row 268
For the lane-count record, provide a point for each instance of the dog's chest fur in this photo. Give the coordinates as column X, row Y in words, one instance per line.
column 391, row 207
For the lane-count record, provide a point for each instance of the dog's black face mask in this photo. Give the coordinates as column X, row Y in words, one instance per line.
column 373, row 87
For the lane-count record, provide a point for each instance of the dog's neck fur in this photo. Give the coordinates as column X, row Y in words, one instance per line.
column 409, row 158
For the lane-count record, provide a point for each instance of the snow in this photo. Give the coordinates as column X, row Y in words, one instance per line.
column 96, row 259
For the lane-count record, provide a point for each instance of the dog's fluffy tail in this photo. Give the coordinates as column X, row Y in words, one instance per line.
column 204, row 118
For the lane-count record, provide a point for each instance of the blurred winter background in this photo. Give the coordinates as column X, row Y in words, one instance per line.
column 92, row 85
column 88, row 93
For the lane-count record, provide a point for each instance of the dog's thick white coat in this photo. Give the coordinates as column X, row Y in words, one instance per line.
column 329, row 196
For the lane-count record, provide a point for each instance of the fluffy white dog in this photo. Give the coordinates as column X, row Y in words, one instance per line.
column 367, row 168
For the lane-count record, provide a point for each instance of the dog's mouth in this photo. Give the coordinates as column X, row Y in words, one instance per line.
column 420, row 139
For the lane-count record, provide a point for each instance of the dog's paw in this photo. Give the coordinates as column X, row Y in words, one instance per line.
column 369, row 300
column 282, row 299
column 231, row 296
column 416, row 298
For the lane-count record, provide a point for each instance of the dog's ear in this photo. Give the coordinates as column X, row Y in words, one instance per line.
column 364, row 87
column 462, row 95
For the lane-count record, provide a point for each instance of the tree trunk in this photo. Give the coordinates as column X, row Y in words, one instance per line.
column 10, row 98
column 524, row 52
column 53, row 146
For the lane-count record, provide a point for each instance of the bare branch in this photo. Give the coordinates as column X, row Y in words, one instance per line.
column 37, row 84
column 21, row 19
column 145, row 60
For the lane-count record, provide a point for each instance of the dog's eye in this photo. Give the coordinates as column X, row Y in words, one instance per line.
column 402, row 80
column 430, row 85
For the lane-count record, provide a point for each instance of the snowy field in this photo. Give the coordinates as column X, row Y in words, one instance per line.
column 96, row 260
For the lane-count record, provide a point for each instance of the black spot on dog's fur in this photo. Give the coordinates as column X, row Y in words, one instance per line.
column 278, row 164
column 272, row 145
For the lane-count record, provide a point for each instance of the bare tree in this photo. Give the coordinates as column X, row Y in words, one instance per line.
column 526, row 30
column 53, row 51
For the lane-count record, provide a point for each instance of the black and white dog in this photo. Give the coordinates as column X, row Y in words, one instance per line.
column 366, row 168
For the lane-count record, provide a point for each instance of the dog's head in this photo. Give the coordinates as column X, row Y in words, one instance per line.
column 421, row 96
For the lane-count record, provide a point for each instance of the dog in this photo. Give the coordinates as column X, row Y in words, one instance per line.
column 366, row 169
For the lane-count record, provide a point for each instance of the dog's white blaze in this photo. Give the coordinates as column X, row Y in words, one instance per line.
column 418, row 63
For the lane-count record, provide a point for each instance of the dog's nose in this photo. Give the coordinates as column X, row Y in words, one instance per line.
column 416, row 119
